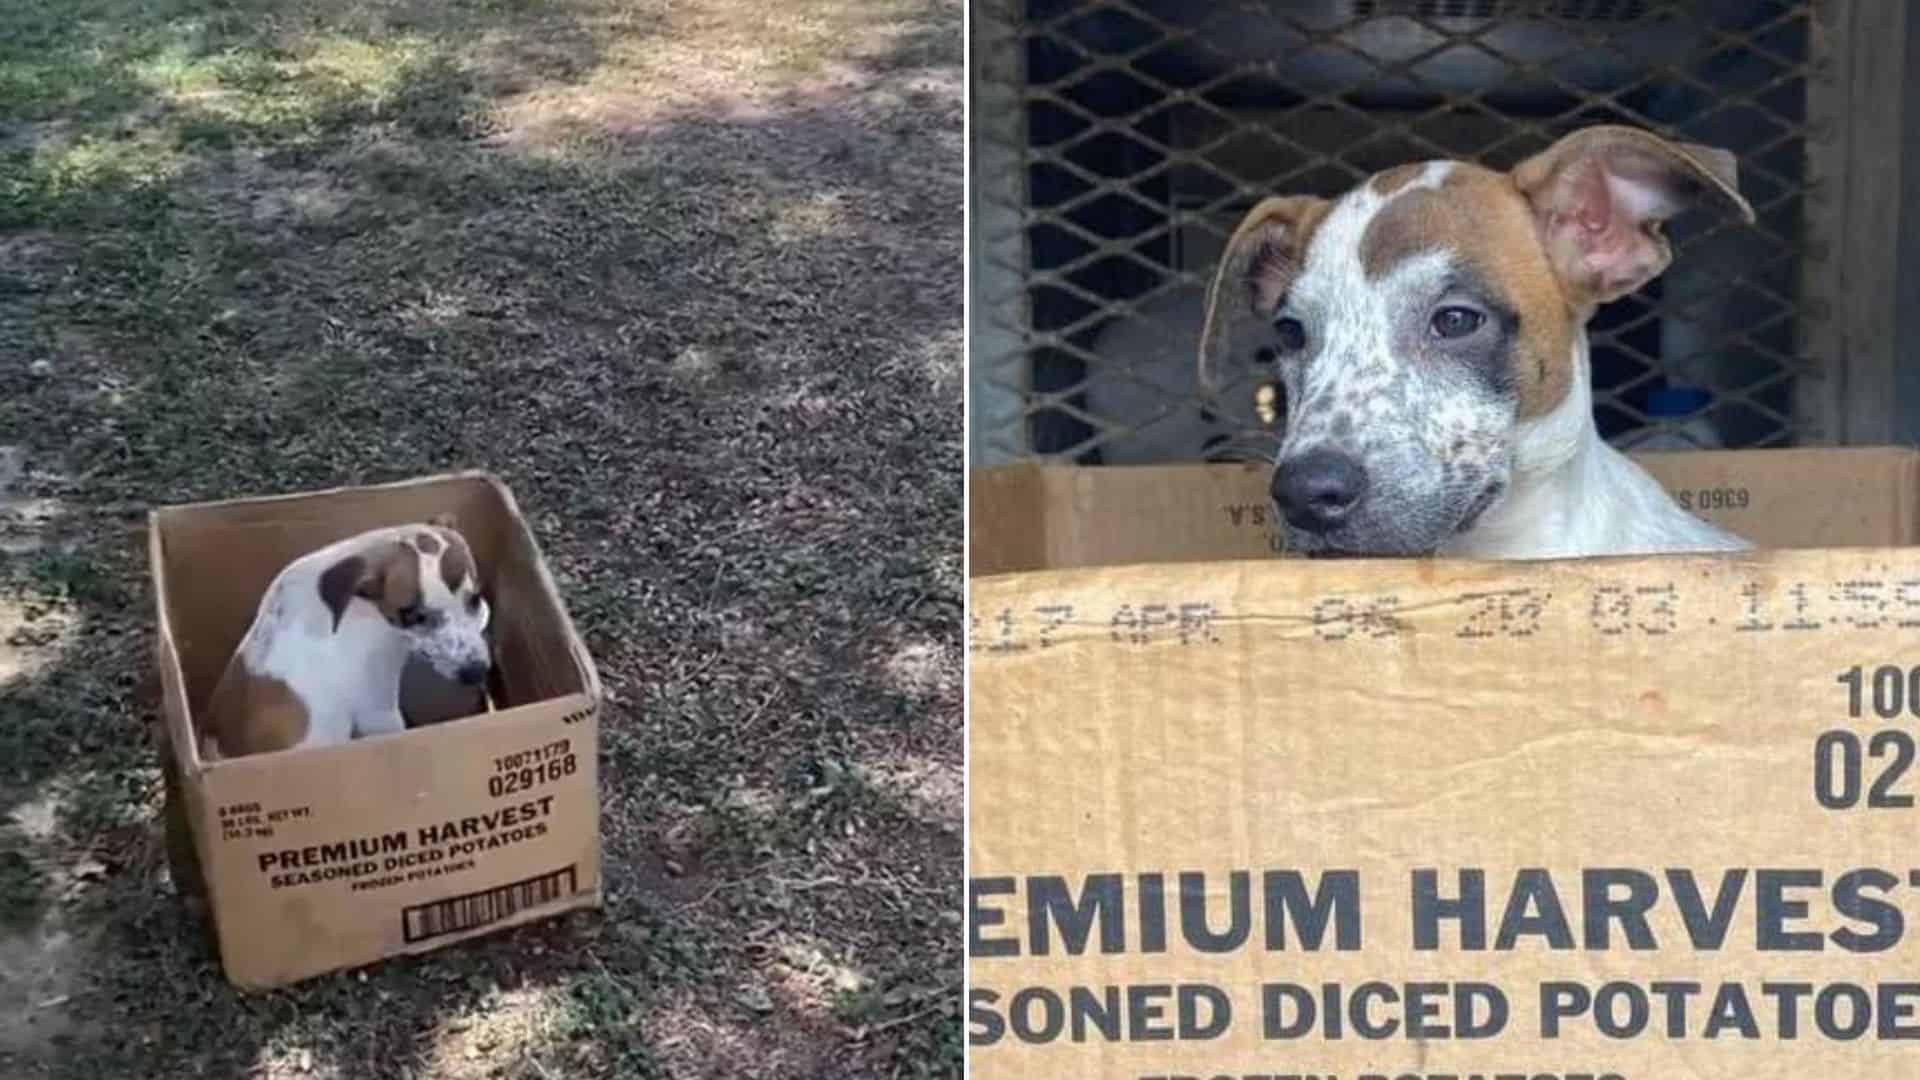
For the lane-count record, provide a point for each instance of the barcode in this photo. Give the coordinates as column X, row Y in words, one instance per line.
column 457, row 913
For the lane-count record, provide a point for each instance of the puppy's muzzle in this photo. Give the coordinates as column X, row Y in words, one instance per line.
column 472, row 673
column 1318, row 490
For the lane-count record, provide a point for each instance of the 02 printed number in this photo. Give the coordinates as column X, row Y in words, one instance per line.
column 1852, row 769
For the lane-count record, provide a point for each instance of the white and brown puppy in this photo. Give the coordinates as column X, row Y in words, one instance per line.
column 1431, row 326
column 322, row 662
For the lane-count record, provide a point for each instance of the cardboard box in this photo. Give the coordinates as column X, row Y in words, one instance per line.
column 320, row 859
column 1635, row 817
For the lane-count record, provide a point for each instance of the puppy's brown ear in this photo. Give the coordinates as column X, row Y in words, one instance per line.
column 341, row 582
column 1263, row 256
column 1601, row 194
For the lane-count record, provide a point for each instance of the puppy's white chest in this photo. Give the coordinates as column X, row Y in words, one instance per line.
column 348, row 682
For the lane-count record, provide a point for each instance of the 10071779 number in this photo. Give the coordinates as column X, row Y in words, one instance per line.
column 528, row 769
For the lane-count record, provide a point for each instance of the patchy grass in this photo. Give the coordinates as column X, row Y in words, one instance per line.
column 686, row 274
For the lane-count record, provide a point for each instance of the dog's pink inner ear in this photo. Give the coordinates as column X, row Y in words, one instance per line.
column 1601, row 234
column 1600, row 196
column 341, row 582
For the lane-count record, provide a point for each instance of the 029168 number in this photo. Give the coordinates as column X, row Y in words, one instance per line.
column 1851, row 769
column 519, row 780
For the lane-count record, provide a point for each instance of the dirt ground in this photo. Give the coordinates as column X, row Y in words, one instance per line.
column 687, row 275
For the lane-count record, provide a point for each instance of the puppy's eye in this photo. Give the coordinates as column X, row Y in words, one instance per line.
column 1291, row 333
column 412, row 615
column 1456, row 322
column 473, row 604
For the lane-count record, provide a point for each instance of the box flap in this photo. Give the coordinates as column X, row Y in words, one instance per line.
column 1030, row 517
column 1026, row 517
column 1798, row 498
column 1006, row 519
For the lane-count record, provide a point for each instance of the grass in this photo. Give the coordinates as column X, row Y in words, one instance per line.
column 687, row 275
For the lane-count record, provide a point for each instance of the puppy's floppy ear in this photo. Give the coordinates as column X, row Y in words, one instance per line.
column 344, row 580
column 1263, row 256
column 1600, row 195
column 387, row 576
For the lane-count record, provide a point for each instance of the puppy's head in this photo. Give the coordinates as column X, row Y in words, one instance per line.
column 425, row 585
column 1427, row 316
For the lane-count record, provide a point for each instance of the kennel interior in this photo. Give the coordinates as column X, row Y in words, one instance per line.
column 1116, row 144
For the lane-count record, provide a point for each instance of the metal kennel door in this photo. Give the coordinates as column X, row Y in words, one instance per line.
column 1115, row 144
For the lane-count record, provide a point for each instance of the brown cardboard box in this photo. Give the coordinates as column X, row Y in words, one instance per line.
column 1640, row 818
column 320, row 859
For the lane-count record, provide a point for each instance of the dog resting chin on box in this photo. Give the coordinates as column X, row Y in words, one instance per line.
column 336, row 632
column 1431, row 328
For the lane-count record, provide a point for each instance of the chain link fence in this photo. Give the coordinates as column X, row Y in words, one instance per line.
column 1117, row 144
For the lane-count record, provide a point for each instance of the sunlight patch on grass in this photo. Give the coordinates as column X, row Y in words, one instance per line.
column 808, row 976
column 80, row 169
column 690, row 1033
column 819, row 214
column 372, row 68
column 502, row 1027
column 931, row 789
column 919, row 668
column 939, row 359
column 283, row 1060
column 194, row 102
column 435, row 310
column 35, row 629
column 320, row 85
column 729, row 60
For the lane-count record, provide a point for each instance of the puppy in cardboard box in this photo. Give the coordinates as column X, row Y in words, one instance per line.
column 351, row 639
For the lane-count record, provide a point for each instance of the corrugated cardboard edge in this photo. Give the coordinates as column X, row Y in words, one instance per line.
column 182, row 756
column 173, row 690
column 1907, row 494
column 589, row 674
column 338, row 489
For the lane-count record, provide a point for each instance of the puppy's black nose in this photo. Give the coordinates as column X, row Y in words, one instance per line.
column 1318, row 489
column 473, row 674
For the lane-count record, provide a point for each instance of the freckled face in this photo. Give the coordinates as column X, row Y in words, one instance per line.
column 1420, row 324
column 424, row 585
column 448, row 616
